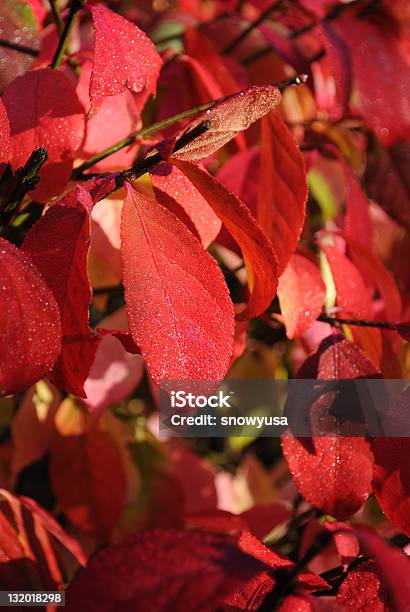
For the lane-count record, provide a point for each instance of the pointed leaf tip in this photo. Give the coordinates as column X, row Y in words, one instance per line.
column 124, row 57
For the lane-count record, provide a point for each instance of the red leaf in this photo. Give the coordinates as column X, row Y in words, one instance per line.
column 392, row 565
column 363, row 589
column 352, row 295
column 58, row 244
column 337, row 69
column 240, row 174
column 259, row 520
column 282, row 188
column 178, row 305
column 392, row 470
column 345, row 539
column 377, row 97
column 176, row 192
column 358, row 224
column 17, row 27
column 337, row 358
column 195, row 476
column 30, row 327
column 251, row 594
column 87, row 477
column 4, row 135
column 334, row 472
column 374, row 270
column 114, row 373
column 34, row 561
column 55, row 529
column 13, row 566
column 257, row 250
column 123, row 57
column 117, row 118
column 229, row 117
column 301, row 293
column 178, row 83
column 44, row 111
column 163, row 570
column 199, row 47
column 262, row 519
column 344, row 542
column 218, row 521
column 387, row 179
column 33, row 426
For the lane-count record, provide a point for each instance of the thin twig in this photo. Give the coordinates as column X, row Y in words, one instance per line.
column 359, row 322
column 131, row 138
column 78, row 173
column 297, row 80
column 56, row 16
column 25, row 180
column 275, row 6
column 110, row 290
column 20, row 48
column 146, row 164
column 286, row 578
column 75, row 7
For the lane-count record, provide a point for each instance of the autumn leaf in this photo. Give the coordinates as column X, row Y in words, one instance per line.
column 178, row 306
column 228, row 118
column 332, row 470
column 282, row 188
column 258, row 252
column 116, row 119
column 358, row 225
column 30, row 326
column 352, row 295
column 124, row 57
column 163, row 569
column 375, row 273
column 86, row 472
column 61, row 256
column 115, row 372
column 361, row 586
column 252, row 593
column 386, row 178
column 44, row 111
column 301, row 293
column 392, row 566
column 199, row 47
column 376, row 95
column 391, row 472
column 176, row 192
column 28, row 551
column 18, row 26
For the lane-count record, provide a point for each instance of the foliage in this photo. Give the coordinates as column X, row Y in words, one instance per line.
column 201, row 190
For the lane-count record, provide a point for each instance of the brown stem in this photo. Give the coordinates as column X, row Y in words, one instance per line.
column 20, row 48
column 275, row 6
column 359, row 322
column 284, row 582
column 75, row 7
column 147, row 163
